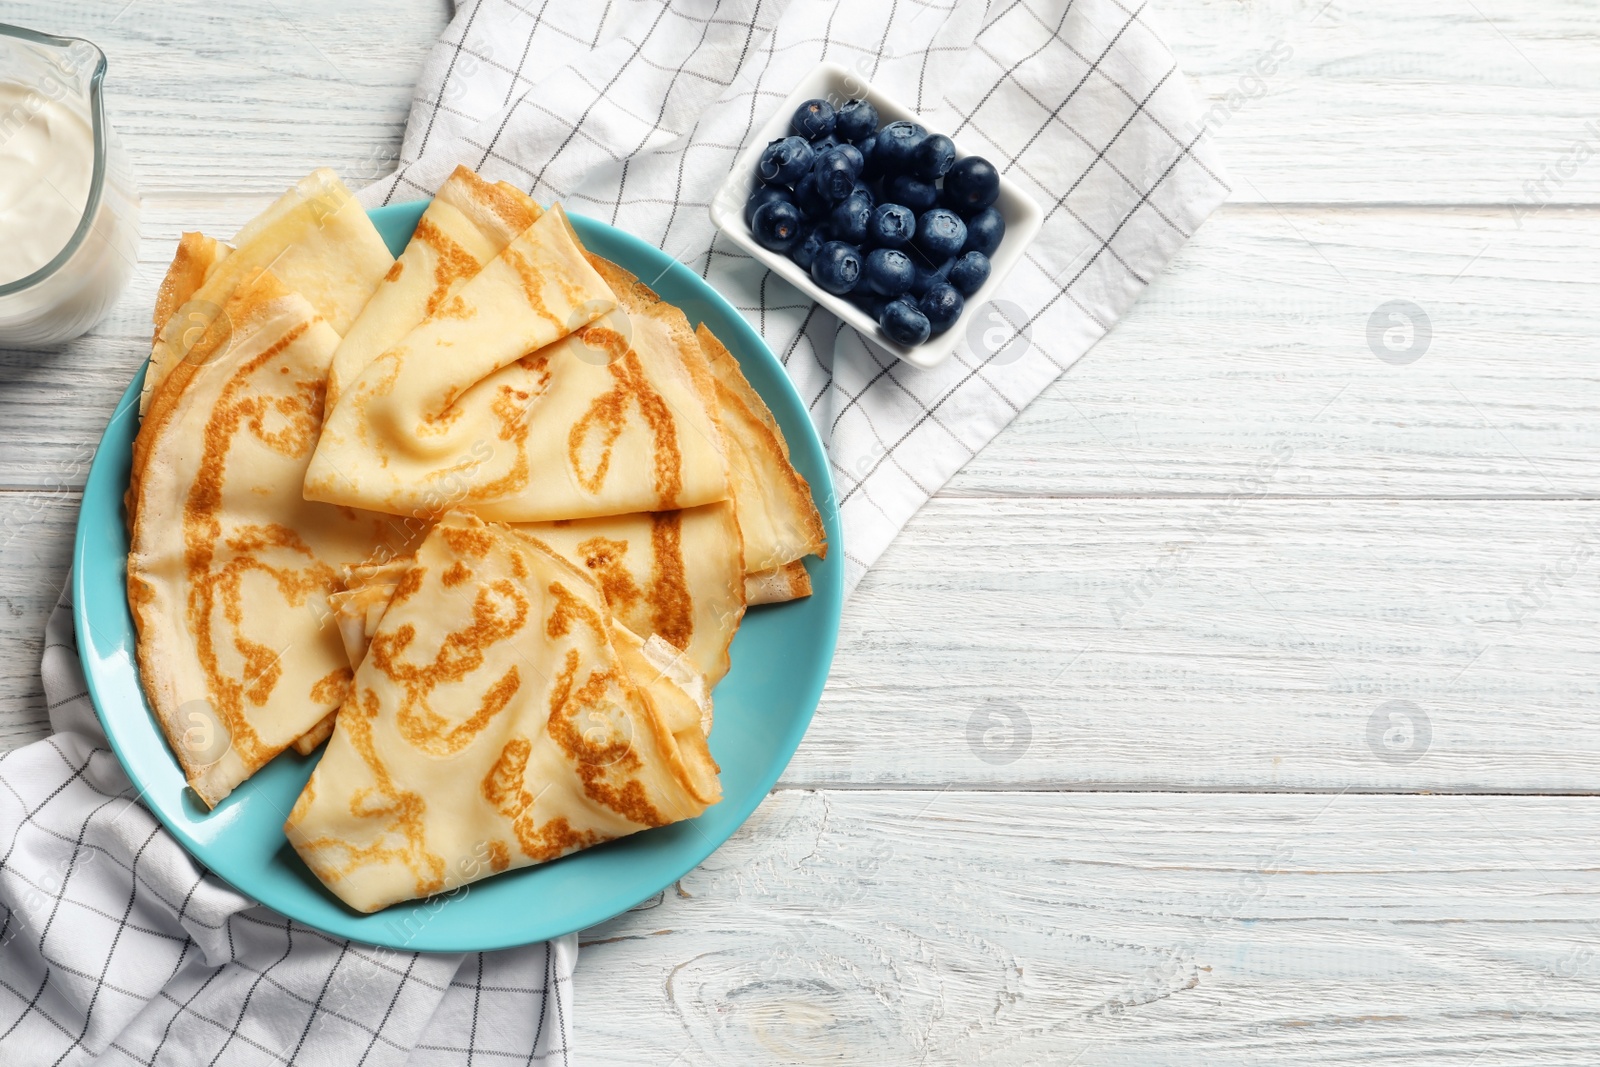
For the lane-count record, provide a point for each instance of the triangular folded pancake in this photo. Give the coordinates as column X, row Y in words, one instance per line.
column 676, row 575
column 477, row 407
column 493, row 724
column 777, row 517
column 230, row 567
column 468, row 223
column 319, row 243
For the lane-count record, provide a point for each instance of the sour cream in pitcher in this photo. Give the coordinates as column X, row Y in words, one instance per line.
column 46, row 169
column 69, row 213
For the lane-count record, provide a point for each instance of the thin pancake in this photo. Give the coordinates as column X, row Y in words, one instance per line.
column 468, row 223
column 230, row 568
column 494, row 723
column 514, row 401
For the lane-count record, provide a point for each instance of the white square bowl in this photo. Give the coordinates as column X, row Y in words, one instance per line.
column 837, row 84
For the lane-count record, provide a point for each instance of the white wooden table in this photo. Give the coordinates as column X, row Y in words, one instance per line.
column 1106, row 772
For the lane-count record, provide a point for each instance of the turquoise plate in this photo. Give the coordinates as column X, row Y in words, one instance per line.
column 780, row 661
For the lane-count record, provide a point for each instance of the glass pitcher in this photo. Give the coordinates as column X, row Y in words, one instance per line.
column 69, row 294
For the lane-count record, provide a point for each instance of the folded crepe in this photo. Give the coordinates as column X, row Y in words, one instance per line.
column 230, row 568
column 318, row 242
column 494, row 723
column 469, row 222
column 526, row 398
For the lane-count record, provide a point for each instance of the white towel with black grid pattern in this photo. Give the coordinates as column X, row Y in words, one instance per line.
column 117, row 948
column 633, row 111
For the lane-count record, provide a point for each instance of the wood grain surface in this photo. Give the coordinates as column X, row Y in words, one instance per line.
column 1236, row 705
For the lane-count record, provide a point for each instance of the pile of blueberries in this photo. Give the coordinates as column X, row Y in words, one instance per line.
column 886, row 217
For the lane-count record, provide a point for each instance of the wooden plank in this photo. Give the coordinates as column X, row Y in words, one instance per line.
column 1208, row 644
column 249, row 98
column 1273, row 356
column 1489, row 101
column 1114, row 929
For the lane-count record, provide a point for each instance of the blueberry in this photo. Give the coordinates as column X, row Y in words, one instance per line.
column 813, row 119
column 822, row 144
column 763, row 194
column 896, row 144
column 776, row 225
column 969, row 272
column 867, row 146
column 942, row 304
column 971, row 185
column 888, row 271
column 785, row 161
column 810, row 200
column 914, row 193
column 892, row 226
column 933, row 157
column 904, row 322
column 984, row 231
column 855, row 120
column 928, row 276
column 850, row 217
column 837, row 267
column 805, row 249
column 837, row 171
column 940, row 233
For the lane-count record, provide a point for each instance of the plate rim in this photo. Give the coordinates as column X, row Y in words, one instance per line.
column 368, row 927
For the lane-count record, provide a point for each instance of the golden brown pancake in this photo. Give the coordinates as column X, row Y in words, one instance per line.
column 512, row 400
column 468, row 223
column 230, row 568
column 527, row 398
column 495, row 722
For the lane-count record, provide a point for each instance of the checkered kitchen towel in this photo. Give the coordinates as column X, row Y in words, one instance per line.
column 634, row 110
column 116, row 948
